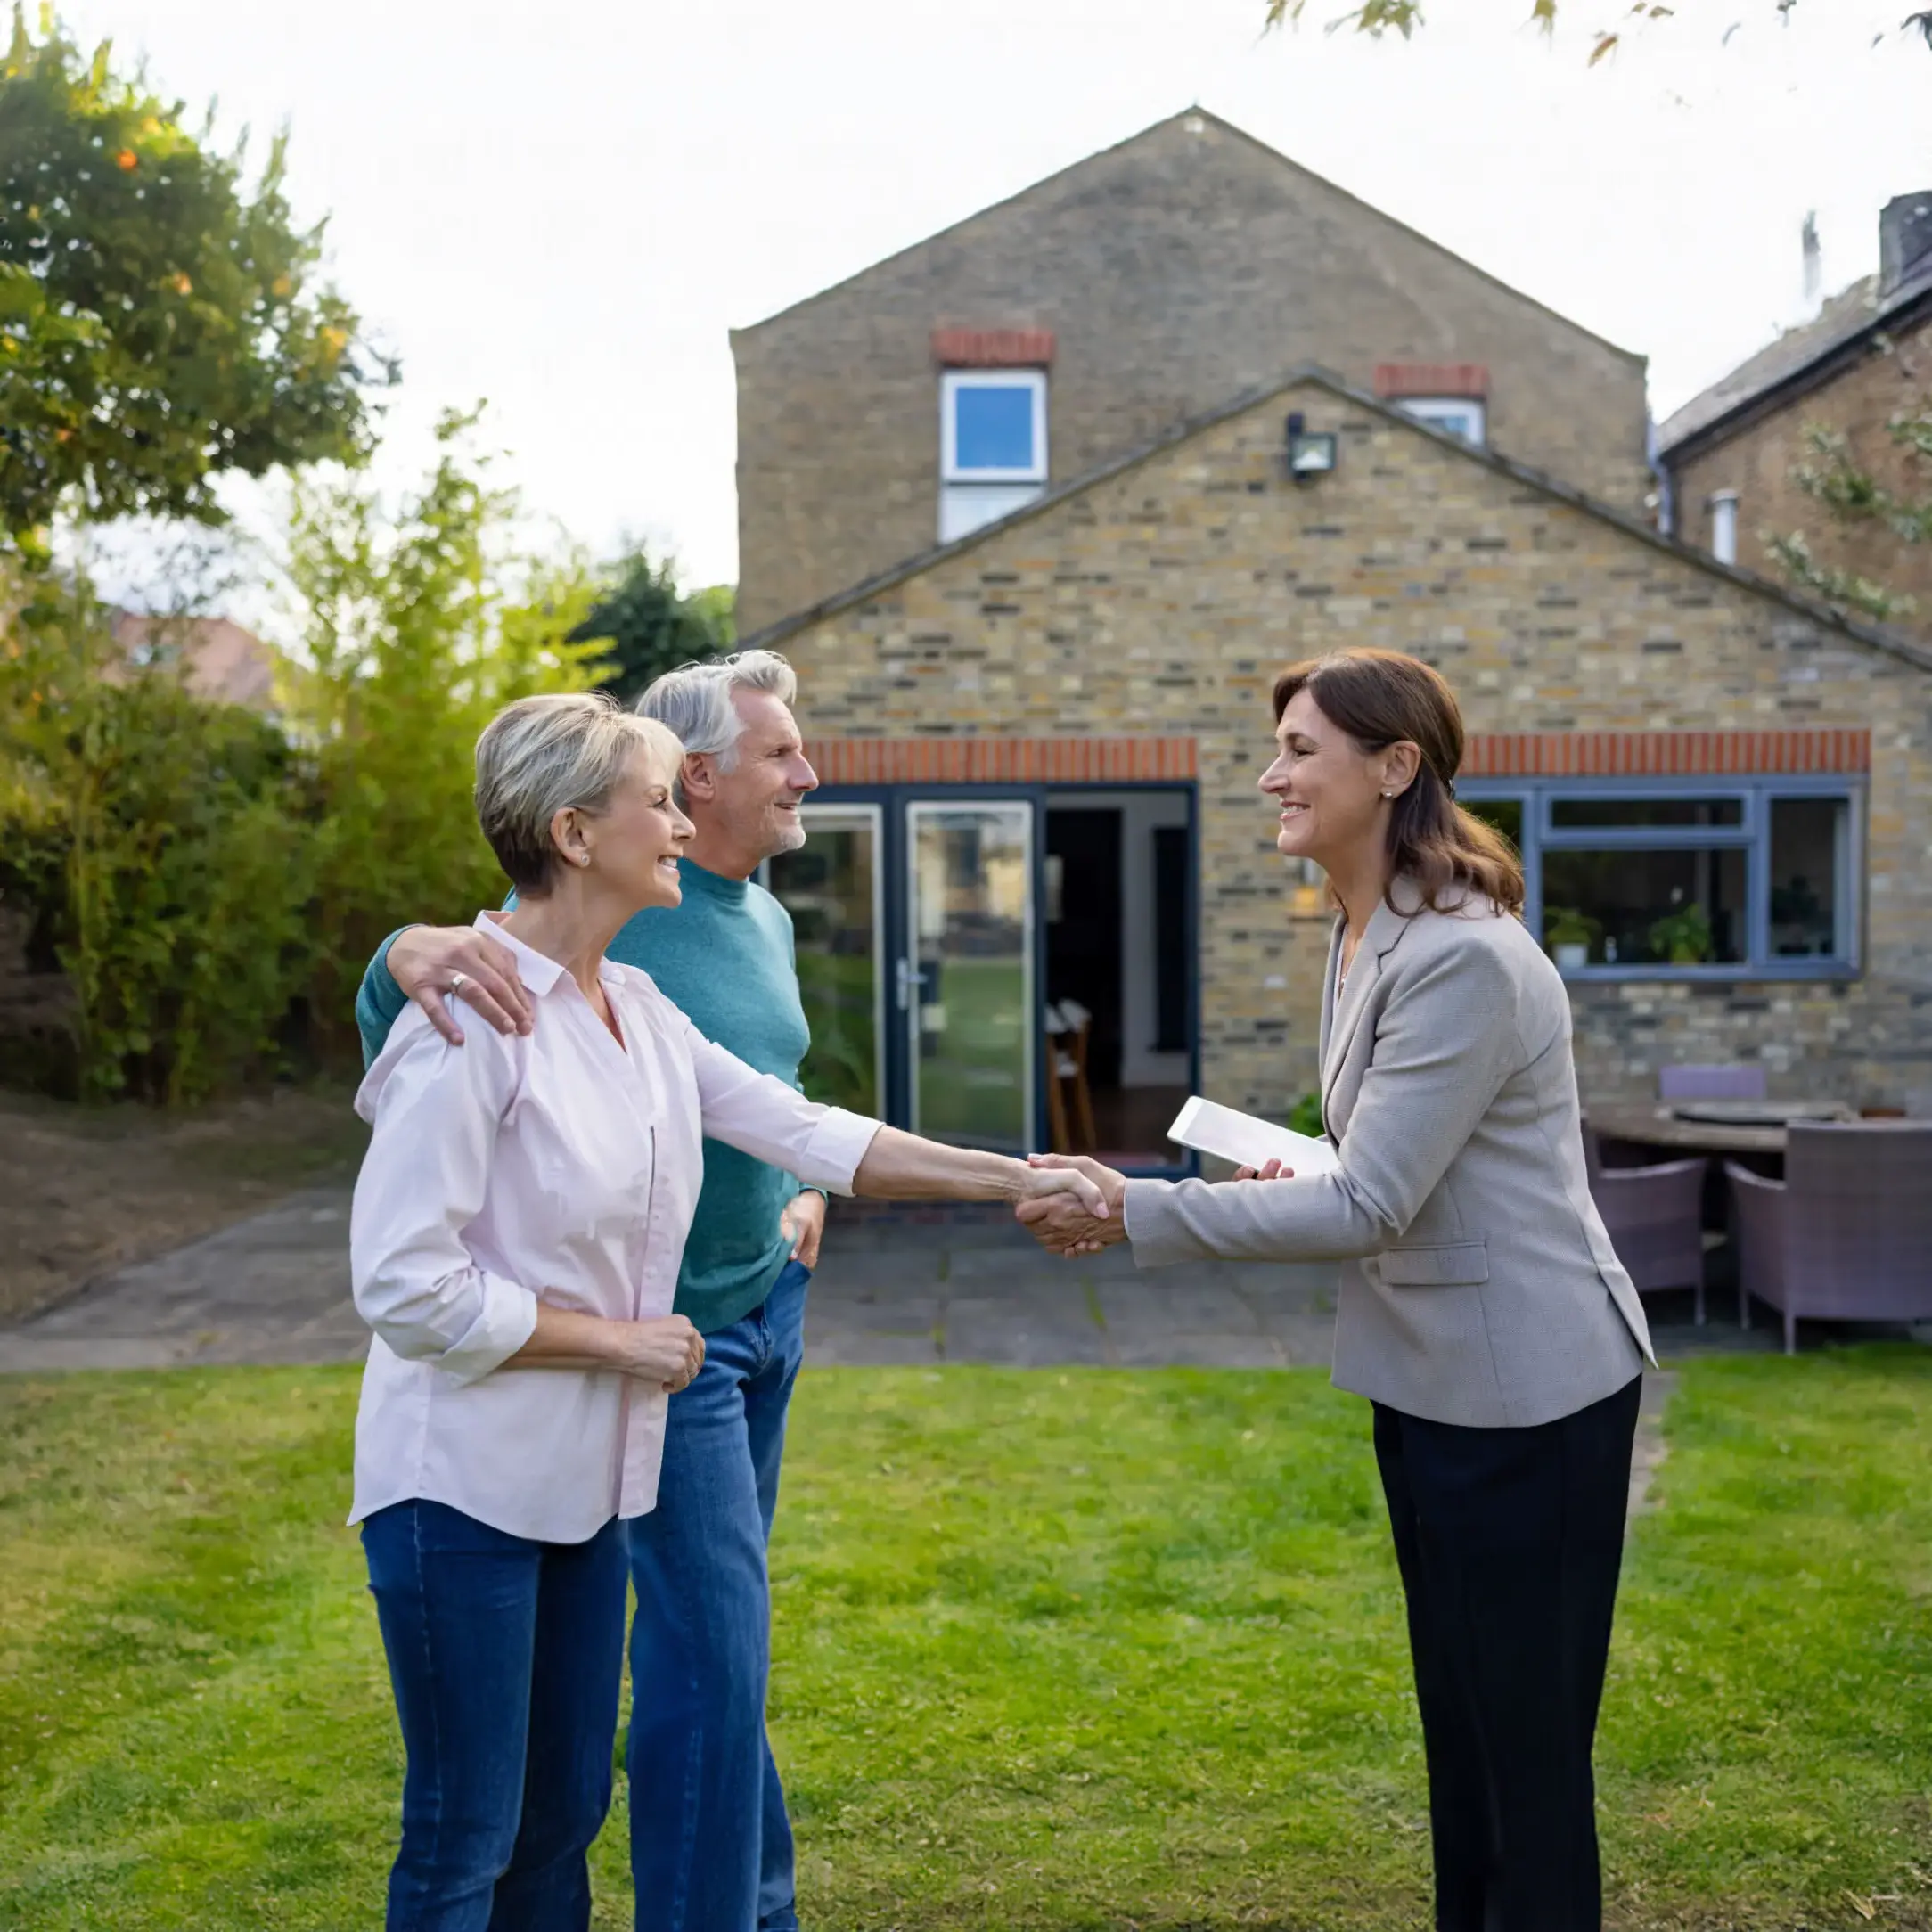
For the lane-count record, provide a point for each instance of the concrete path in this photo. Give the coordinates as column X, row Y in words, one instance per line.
column 951, row 1287
column 958, row 1287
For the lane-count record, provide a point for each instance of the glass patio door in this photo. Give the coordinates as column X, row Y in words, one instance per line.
column 966, row 993
column 833, row 886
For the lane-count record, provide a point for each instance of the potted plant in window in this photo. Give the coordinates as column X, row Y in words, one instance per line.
column 1683, row 938
column 1570, row 935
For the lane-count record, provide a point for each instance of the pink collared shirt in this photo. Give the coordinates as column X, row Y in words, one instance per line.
column 559, row 1168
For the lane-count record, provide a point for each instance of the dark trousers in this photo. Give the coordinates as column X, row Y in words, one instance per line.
column 505, row 1655
column 1509, row 1541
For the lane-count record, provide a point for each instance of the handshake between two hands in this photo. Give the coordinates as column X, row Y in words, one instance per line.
column 1074, row 1204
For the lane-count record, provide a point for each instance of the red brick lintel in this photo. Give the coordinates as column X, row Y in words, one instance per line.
column 993, row 348
column 1060, row 761
column 1396, row 380
column 1663, row 753
column 999, row 761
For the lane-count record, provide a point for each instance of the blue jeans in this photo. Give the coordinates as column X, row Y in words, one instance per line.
column 710, row 1842
column 505, row 1656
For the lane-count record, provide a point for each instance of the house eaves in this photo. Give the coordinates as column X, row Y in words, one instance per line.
column 1285, row 163
column 1715, row 416
column 864, row 592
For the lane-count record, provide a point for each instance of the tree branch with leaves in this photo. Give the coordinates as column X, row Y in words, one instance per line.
column 1376, row 18
column 1854, row 498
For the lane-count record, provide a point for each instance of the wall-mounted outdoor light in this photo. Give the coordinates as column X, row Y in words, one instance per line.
column 1311, row 453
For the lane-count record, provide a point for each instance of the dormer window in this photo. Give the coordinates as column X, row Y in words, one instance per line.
column 992, row 445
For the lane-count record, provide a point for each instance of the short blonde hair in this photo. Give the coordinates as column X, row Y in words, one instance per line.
column 540, row 756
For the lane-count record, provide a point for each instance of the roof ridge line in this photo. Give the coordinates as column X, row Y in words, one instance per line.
column 1254, row 140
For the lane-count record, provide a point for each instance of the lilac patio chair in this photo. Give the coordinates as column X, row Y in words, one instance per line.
column 1710, row 1084
column 1847, row 1235
column 1655, row 1219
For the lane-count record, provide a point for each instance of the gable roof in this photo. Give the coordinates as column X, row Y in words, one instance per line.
column 1800, row 359
column 1260, row 147
column 1313, row 374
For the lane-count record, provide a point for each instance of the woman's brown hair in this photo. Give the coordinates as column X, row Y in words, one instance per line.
column 1381, row 698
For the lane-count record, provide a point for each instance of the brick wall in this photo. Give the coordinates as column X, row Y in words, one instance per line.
column 1758, row 462
column 1162, row 601
column 1176, row 272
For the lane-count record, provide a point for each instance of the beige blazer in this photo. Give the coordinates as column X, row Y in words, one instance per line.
column 1478, row 1284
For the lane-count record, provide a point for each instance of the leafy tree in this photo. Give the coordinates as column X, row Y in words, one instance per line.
column 1855, row 499
column 420, row 623
column 160, row 322
column 1379, row 17
column 651, row 626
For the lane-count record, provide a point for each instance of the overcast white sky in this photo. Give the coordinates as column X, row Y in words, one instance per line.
column 564, row 209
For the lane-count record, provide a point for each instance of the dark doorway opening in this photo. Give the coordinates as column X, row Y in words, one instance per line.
column 1083, row 930
column 1118, row 994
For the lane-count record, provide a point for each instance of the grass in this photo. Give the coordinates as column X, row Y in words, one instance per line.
column 1056, row 1651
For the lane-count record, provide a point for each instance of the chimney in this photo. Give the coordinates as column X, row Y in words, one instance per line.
column 1904, row 242
column 1812, row 255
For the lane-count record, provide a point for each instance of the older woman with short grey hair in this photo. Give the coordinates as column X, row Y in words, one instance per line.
column 523, row 1206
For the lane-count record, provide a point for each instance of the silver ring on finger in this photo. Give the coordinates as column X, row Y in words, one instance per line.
column 458, row 982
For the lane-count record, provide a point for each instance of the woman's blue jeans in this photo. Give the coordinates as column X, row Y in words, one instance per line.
column 710, row 1843
column 505, row 1656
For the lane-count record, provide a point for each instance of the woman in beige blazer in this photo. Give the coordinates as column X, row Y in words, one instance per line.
column 1483, row 1310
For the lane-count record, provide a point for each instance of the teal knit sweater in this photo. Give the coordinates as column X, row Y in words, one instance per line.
column 725, row 957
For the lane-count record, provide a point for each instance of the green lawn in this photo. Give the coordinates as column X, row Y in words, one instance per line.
column 1092, row 1649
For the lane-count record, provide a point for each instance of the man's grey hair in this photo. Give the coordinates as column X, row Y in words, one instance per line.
column 695, row 701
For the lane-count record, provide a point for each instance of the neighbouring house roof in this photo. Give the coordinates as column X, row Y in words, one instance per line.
column 1877, row 637
column 1283, row 161
column 222, row 662
column 1801, row 358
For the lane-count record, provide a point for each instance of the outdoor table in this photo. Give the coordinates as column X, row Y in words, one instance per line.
column 1648, row 1129
column 1663, row 1123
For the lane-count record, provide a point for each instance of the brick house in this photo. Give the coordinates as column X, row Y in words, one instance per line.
column 219, row 660
column 1144, row 285
column 1728, row 454
column 1039, row 723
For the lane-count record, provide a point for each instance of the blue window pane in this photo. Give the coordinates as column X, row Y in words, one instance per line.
column 993, row 429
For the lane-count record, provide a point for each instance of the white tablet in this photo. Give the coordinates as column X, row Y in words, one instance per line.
column 1249, row 1142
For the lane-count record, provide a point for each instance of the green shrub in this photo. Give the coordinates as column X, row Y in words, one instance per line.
column 212, row 880
column 159, row 844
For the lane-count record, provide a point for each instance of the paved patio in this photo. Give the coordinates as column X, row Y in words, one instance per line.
column 922, row 1288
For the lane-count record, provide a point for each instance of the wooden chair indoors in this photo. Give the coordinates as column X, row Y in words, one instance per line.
column 1068, row 1025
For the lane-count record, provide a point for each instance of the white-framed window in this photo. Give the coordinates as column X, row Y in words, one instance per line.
column 1458, row 415
column 991, row 445
column 993, row 426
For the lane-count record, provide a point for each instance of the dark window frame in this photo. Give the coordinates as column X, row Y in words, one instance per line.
column 1756, row 795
